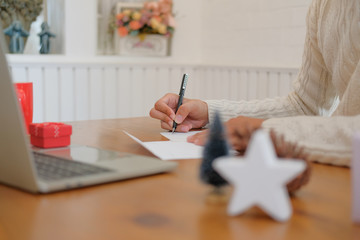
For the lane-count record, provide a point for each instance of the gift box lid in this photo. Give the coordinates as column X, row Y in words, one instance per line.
column 50, row 129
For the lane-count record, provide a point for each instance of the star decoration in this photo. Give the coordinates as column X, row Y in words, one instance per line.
column 259, row 178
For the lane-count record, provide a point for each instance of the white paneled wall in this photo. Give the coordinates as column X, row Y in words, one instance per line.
column 213, row 32
column 71, row 92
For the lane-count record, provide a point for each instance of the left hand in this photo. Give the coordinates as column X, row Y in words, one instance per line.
column 238, row 130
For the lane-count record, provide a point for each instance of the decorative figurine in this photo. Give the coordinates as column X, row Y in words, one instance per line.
column 260, row 178
column 16, row 33
column 215, row 147
column 45, row 36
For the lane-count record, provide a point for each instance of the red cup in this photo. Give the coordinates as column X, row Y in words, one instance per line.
column 25, row 97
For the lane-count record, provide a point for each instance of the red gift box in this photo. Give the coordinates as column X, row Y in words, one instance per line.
column 50, row 134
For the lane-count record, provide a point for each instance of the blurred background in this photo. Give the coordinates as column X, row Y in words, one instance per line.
column 233, row 49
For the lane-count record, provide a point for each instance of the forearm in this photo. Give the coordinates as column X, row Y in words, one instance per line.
column 325, row 139
column 264, row 109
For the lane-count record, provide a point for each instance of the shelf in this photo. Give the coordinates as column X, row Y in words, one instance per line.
column 101, row 60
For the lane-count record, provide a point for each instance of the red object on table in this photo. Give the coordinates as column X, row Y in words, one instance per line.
column 24, row 93
column 50, row 134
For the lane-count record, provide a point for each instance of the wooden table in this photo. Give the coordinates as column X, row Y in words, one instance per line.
column 168, row 206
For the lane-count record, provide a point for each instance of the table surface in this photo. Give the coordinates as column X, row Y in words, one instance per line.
column 172, row 205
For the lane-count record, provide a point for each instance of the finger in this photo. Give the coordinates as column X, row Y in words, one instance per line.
column 239, row 135
column 187, row 124
column 249, row 129
column 184, row 110
column 183, row 127
column 240, row 146
column 192, row 138
column 201, row 141
column 245, row 143
column 161, row 116
column 166, row 126
column 163, row 107
column 234, row 138
column 198, row 138
column 236, row 131
column 240, row 141
column 236, row 147
column 245, row 131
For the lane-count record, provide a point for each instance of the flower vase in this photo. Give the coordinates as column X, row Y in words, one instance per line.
column 150, row 45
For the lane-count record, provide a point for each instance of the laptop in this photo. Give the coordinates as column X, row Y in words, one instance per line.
column 62, row 168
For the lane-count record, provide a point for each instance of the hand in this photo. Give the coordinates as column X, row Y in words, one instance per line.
column 286, row 150
column 192, row 113
column 283, row 149
column 239, row 131
column 198, row 138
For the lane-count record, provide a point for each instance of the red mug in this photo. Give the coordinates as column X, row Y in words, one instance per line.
column 24, row 93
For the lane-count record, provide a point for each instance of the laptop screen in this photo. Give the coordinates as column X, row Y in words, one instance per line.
column 16, row 167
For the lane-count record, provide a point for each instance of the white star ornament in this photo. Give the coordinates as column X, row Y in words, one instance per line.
column 259, row 178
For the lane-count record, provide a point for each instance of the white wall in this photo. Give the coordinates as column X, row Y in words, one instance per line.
column 254, row 32
column 266, row 33
column 81, row 32
column 80, row 27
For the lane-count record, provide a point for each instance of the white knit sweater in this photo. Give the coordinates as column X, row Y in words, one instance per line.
column 322, row 112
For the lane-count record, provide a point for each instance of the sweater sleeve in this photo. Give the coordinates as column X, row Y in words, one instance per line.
column 331, row 137
column 313, row 92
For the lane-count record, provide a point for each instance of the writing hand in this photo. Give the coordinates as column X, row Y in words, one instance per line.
column 192, row 113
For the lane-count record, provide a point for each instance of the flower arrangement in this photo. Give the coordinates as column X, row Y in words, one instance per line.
column 154, row 18
column 26, row 11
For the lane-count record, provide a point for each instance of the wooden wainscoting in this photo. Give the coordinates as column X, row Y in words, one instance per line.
column 85, row 91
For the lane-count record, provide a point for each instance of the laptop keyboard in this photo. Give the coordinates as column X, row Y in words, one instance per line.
column 53, row 168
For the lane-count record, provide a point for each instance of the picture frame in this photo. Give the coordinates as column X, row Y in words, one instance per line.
column 121, row 6
column 148, row 45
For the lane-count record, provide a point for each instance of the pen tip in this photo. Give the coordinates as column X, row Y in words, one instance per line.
column 173, row 131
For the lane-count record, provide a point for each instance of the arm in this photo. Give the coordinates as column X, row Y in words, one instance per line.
column 313, row 92
column 325, row 139
column 329, row 139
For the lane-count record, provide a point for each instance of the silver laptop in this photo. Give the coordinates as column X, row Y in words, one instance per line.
column 62, row 168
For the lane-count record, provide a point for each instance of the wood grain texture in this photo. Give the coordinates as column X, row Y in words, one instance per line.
column 168, row 206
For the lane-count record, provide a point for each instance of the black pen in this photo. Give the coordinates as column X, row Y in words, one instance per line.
column 181, row 96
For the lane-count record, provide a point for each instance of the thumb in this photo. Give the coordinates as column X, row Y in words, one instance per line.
column 183, row 111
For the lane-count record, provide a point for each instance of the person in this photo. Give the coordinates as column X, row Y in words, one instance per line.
column 321, row 114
